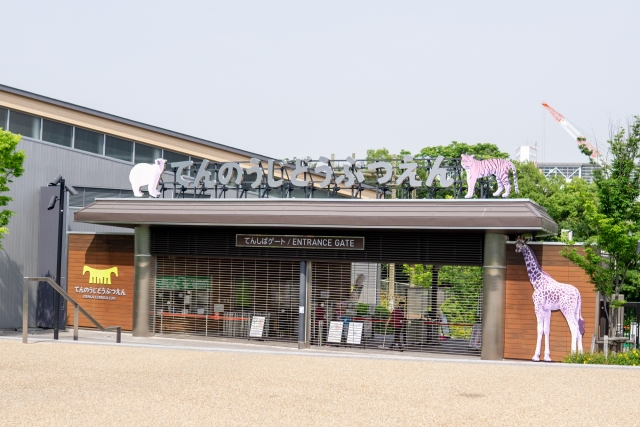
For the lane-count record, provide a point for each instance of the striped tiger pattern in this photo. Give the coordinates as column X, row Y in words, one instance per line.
column 483, row 168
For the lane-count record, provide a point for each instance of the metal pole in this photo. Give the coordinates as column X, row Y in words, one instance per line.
column 56, row 295
column 75, row 322
column 493, row 301
column 302, row 327
column 25, row 312
column 307, row 314
column 142, row 283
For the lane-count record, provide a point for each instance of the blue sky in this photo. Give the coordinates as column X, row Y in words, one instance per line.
column 289, row 79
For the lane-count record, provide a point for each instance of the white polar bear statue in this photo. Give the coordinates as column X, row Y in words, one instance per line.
column 146, row 174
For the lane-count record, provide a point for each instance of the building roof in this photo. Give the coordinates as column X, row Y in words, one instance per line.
column 134, row 123
column 510, row 216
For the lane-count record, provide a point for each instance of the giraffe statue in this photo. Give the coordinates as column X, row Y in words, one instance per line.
column 550, row 295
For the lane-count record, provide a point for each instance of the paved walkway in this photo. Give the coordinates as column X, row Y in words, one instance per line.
column 191, row 382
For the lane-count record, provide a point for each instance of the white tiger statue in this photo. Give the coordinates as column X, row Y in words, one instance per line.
column 483, row 168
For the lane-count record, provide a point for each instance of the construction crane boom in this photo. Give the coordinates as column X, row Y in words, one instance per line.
column 575, row 134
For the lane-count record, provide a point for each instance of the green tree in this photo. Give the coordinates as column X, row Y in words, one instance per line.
column 454, row 150
column 565, row 201
column 457, row 149
column 568, row 207
column 377, row 154
column 534, row 185
column 609, row 257
column 11, row 162
column 463, row 287
column 419, row 274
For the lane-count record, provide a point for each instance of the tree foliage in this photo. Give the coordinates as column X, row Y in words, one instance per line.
column 568, row 207
column 462, row 286
column 610, row 259
column 533, row 184
column 454, row 150
column 11, row 162
column 565, row 201
column 457, row 149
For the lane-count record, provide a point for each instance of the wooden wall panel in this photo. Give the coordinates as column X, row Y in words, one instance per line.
column 102, row 251
column 520, row 323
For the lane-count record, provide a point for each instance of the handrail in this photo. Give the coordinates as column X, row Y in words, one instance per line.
column 76, row 306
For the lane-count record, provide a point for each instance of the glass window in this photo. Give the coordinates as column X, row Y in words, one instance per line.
column 24, row 124
column 118, row 148
column 147, row 153
column 3, row 118
column 91, row 194
column 172, row 156
column 58, row 133
column 90, row 141
column 76, row 200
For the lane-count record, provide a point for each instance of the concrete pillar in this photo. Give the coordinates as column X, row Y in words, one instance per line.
column 141, row 283
column 493, row 301
column 305, row 305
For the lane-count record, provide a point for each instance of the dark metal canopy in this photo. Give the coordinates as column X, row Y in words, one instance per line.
column 510, row 216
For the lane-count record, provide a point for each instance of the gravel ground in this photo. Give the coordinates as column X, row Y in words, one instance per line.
column 100, row 385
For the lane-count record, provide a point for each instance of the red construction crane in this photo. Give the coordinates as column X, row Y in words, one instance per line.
column 580, row 139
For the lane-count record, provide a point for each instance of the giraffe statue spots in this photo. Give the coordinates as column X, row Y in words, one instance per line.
column 549, row 295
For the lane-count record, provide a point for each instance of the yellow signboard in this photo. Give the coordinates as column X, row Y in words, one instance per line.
column 100, row 276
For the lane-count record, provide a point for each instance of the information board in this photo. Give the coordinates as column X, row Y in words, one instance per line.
column 335, row 332
column 257, row 327
column 354, row 333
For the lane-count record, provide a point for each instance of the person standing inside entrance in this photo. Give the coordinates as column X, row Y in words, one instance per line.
column 398, row 323
column 321, row 322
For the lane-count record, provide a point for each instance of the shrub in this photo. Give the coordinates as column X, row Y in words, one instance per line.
column 629, row 358
column 362, row 310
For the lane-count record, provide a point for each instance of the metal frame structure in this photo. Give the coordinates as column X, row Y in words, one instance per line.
column 77, row 309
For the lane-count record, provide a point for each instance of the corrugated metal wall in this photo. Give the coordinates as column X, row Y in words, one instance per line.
column 43, row 163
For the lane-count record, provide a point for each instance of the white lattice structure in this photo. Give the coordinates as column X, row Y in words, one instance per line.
column 568, row 170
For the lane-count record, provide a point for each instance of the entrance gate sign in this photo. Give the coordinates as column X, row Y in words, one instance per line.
column 407, row 177
column 299, row 242
column 352, row 174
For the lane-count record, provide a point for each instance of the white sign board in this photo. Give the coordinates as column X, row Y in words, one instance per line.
column 257, row 327
column 354, row 334
column 476, row 336
column 335, row 332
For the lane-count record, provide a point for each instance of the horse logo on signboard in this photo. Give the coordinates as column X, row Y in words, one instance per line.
column 100, row 276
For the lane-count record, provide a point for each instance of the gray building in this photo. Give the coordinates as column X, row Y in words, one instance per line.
column 94, row 152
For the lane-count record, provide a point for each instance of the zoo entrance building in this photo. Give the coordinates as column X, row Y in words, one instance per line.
column 280, row 256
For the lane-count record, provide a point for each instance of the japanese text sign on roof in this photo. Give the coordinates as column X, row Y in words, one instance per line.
column 299, row 242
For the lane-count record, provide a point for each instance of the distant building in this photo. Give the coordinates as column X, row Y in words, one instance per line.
column 568, row 170
column 526, row 153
